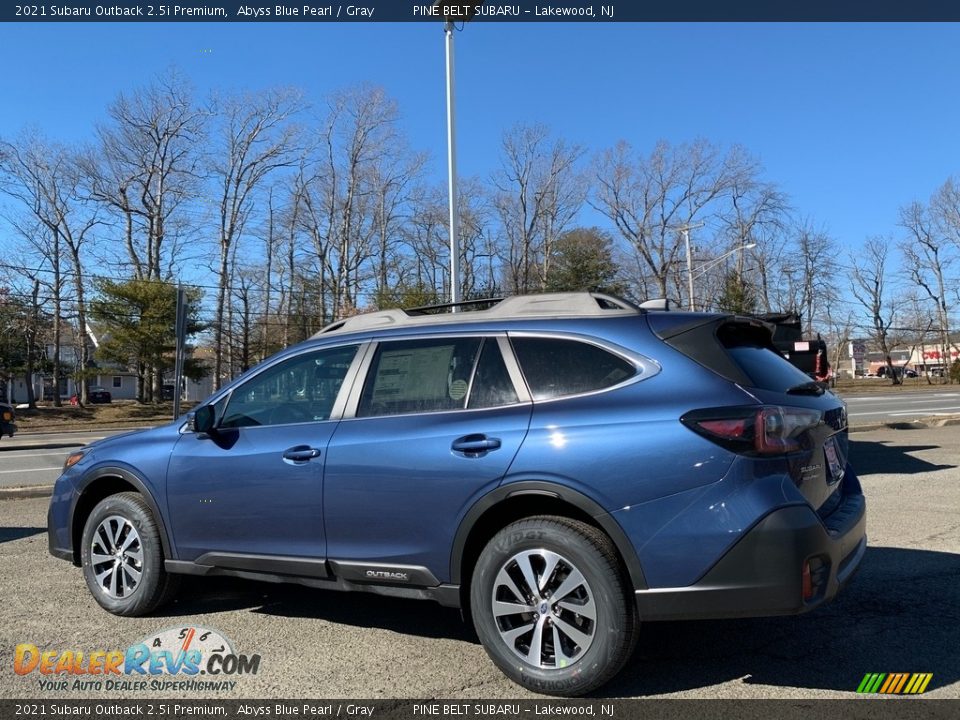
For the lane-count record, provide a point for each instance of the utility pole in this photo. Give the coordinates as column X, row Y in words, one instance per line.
column 685, row 229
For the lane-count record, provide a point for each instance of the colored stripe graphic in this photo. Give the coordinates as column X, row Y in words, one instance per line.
column 865, row 683
column 894, row 683
column 903, row 680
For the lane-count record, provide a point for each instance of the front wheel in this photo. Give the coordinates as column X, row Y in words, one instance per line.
column 552, row 607
column 123, row 557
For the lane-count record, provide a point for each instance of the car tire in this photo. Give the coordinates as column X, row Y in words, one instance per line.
column 122, row 557
column 576, row 572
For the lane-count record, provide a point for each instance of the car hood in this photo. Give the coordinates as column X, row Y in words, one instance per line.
column 136, row 437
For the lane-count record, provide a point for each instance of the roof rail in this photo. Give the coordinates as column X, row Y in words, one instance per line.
column 569, row 304
column 428, row 309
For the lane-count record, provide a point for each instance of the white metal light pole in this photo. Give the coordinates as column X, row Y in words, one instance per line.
column 685, row 229
column 452, row 172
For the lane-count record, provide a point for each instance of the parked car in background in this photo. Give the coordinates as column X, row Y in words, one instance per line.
column 96, row 395
column 99, row 395
column 7, row 416
column 562, row 466
column 898, row 371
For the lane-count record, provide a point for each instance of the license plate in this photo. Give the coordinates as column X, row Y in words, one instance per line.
column 833, row 460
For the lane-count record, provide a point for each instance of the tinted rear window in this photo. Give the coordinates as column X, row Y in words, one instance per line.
column 751, row 348
column 556, row 367
column 767, row 368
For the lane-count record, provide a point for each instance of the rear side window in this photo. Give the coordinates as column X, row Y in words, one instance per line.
column 555, row 367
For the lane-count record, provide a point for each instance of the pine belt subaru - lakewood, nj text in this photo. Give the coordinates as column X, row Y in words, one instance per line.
column 560, row 466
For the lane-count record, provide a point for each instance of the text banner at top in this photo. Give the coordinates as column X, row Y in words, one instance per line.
column 403, row 11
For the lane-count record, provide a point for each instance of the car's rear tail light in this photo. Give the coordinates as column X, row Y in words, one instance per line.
column 752, row 430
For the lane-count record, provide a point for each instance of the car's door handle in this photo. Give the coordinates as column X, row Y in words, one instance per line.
column 300, row 453
column 475, row 444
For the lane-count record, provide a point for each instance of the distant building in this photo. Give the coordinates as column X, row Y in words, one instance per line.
column 119, row 381
column 925, row 359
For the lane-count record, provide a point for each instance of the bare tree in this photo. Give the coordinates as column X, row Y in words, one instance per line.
column 649, row 198
column 393, row 180
column 869, row 287
column 351, row 195
column 144, row 167
column 927, row 260
column 841, row 325
column 426, row 237
column 758, row 214
column 22, row 322
column 539, row 190
column 920, row 324
column 44, row 177
column 813, row 257
column 255, row 139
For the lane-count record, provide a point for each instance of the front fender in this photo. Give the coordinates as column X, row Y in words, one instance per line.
column 128, row 475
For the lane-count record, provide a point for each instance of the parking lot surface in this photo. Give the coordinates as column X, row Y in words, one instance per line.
column 900, row 614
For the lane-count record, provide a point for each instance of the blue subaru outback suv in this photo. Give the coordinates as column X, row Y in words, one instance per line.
column 561, row 467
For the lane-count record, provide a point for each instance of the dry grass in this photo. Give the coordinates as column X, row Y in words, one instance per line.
column 121, row 413
column 866, row 386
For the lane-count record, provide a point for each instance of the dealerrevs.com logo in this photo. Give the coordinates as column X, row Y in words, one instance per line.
column 182, row 659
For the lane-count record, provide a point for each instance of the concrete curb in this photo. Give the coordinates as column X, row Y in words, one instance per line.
column 41, row 446
column 32, row 491
column 918, row 424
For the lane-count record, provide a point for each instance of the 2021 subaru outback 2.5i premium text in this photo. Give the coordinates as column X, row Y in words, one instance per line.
column 559, row 466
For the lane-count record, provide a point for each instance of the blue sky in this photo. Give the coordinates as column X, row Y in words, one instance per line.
column 851, row 120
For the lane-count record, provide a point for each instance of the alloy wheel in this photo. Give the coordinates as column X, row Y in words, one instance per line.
column 544, row 609
column 116, row 556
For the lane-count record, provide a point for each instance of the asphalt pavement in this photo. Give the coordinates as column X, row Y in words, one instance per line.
column 900, row 614
column 899, row 406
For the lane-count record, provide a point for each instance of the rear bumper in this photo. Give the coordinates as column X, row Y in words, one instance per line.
column 762, row 574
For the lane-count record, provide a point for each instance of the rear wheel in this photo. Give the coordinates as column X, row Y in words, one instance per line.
column 551, row 605
column 122, row 557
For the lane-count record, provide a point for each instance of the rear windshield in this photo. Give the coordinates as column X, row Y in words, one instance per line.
column 766, row 368
column 751, row 348
column 741, row 351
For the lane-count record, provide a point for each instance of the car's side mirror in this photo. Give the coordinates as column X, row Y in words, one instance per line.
column 204, row 420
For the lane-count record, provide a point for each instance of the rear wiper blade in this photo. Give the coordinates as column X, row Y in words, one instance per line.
column 807, row 388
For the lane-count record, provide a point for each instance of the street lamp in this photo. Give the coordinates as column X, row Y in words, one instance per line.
column 691, row 273
column 449, row 11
